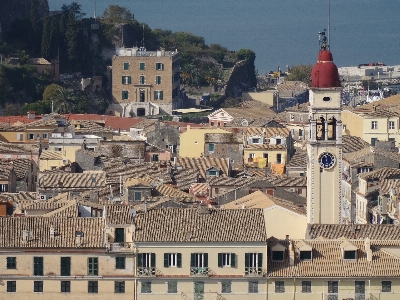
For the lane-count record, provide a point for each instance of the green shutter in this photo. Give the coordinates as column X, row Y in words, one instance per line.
column 140, row 260
column 166, row 265
column 161, row 95
column 233, row 260
column 205, row 260
column 260, row 256
column 247, row 260
column 129, row 79
column 153, row 260
column 192, row 260
column 219, row 260
column 155, row 95
column 179, row 260
column 123, row 79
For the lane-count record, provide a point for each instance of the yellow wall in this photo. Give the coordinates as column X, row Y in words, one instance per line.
column 46, row 164
column 266, row 97
column 68, row 151
column 192, row 141
column 296, row 228
column 258, row 153
column 353, row 122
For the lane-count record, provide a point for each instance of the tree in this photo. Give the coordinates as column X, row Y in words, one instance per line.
column 64, row 100
column 46, row 39
column 300, row 73
column 117, row 14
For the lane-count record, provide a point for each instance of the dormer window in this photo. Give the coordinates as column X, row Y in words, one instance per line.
column 350, row 255
column 305, row 255
column 256, row 141
column 278, row 255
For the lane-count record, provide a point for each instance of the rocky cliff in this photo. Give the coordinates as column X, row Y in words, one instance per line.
column 11, row 10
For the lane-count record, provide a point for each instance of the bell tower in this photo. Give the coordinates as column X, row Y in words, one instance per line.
column 324, row 148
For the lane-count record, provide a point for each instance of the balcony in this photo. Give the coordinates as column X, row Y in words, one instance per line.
column 253, row 271
column 146, row 271
column 199, row 271
column 120, row 247
column 345, row 296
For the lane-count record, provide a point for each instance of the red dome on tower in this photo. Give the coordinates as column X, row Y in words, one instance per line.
column 325, row 74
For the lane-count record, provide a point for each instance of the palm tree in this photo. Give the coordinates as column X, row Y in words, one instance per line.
column 64, row 100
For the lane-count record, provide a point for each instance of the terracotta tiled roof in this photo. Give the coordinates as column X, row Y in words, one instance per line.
column 268, row 131
column 18, row 148
column 358, row 231
column 38, row 61
column 233, row 182
column 353, row 143
column 185, row 178
column 39, row 228
column 54, row 155
column 111, row 122
column 292, row 85
column 21, row 166
column 284, row 181
column 200, row 189
column 21, row 196
column 161, row 225
column 65, row 181
column 226, row 138
column 265, row 146
column 298, row 108
column 382, row 173
column 203, row 164
column 299, row 159
column 351, row 156
column 118, row 214
column 18, row 119
column 327, row 261
column 387, row 184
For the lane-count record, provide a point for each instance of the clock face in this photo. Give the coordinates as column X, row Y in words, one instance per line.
column 326, row 160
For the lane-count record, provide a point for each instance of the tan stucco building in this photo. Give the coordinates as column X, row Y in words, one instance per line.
column 145, row 82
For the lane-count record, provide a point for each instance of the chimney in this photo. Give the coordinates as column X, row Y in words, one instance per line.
column 31, row 115
column 368, row 251
column 51, row 231
column 292, row 251
column 202, row 209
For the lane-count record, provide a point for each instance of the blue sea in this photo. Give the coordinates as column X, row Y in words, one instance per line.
column 281, row 32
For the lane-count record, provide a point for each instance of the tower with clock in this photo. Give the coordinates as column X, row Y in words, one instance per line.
column 324, row 148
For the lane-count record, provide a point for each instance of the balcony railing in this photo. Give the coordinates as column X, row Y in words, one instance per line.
column 345, row 296
column 146, row 271
column 199, row 271
column 120, row 247
column 253, row 271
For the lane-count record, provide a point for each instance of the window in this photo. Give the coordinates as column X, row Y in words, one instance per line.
column 374, row 125
column 373, row 141
column 126, row 66
column 65, row 266
column 211, row 147
column 93, row 266
column 20, row 136
column 253, row 263
column 198, row 289
column 31, row 136
column 278, row 141
column 38, row 286
column 11, row 263
column 212, row 173
column 277, row 255
column 350, row 254
column 159, row 66
column 172, row 260
column 119, row 287
column 65, row 286
column 93, row 287
column 226, row 260
column 126, row 80
column 142, row 79
column 252, row 155
column 155, row 157
column 158, row 95
column 172, row 287
column 137, row 196
column 38, row 266
column 146, row 260
column 57, row 148
column 300, row 132
column 333, row 288
column 11, row 286
column 305, row 255
column 145, row 287
column 386, row 286
column 44, row 136
column 391, row 124
column 256, row 141
column 199, row 260
column 125, row 95
column 120, row 262
column 253, row 287
column 142, row 66
column 226, row 287
column 212, row 123
column 279, row 158
column 359, row 288
column 279, row 286
column 306, row 286
column 158, row 79
column 327, row 99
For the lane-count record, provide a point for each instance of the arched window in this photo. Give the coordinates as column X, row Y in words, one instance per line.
column 332, row 128
column 320, row 128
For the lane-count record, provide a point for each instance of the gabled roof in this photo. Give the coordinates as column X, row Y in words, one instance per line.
column 220, row 114
column 189, row 225
column 353, row 143
column 64, row 181
column 52, row 155
column 203, row 164
column 382, row 173
column 111, row 122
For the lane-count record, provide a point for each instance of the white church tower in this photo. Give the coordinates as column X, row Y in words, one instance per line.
column 324, row 149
